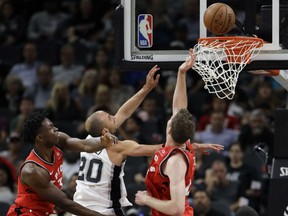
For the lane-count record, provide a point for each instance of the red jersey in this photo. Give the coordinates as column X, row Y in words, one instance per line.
column 28, row 201
column 157, row 182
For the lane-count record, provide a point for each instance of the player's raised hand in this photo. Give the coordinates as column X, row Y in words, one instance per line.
column 188, row 64
column 151, row 79
column 141, row 197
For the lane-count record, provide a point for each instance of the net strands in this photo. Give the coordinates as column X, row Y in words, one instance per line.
column 220, row 61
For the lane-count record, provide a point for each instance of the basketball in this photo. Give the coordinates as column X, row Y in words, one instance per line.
column 219, row 18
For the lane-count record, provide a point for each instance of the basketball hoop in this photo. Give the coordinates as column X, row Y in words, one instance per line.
column 221, row 59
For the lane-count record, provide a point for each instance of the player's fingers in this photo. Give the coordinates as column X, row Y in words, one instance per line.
column 153, row 69
column 218, row 146
column 112, row 138
column 191, row 53
column 157, row 78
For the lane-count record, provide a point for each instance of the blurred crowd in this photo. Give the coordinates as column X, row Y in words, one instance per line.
column 59, row 56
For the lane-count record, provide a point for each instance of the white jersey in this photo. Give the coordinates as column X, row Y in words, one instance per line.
column 100, row 184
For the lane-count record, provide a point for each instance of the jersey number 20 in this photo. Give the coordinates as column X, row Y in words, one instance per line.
column 91, row 177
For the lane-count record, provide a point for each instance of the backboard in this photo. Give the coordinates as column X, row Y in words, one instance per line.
column 162, row 31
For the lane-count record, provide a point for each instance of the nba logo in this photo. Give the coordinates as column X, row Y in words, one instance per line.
column 145, row 33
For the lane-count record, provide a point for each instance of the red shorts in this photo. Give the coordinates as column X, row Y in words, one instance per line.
column 16, row 210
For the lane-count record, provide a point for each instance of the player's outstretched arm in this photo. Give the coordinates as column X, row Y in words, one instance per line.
column 180, row 93
column 202, row 148
column 134, row 149
column 87, row 145
column 39, row 180
column 175, row 169
column 130, row 106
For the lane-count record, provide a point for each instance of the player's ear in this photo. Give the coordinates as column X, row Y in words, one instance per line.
column 38, row 138
column 169, row 130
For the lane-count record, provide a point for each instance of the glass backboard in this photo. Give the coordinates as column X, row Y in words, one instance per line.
column 175, row 26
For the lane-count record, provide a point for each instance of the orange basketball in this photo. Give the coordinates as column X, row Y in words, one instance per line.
column 219, row 18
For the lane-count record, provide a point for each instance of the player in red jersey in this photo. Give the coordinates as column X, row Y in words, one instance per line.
column 170, row 173
column 40, row 178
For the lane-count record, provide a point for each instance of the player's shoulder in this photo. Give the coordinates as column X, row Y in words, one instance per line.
column 178, row 155
column 31, row 168
column 31, row 172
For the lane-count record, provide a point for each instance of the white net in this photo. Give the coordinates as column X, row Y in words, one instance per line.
column 220, row 61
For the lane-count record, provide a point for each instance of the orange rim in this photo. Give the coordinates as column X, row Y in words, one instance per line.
column 246, row 40
column 234, row 53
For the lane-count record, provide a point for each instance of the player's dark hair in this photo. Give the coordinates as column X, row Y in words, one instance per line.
column 31, row 126
column 182, row 126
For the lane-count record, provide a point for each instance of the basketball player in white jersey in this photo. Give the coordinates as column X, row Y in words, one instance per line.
column 100, row 184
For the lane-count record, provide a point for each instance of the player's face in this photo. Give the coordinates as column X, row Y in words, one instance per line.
column 49, row 134
column 112, row 123
column 109, row 122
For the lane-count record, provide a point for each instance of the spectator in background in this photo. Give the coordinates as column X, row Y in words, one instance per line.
column 220, row 105
column 16, row 152
column 4, row 131
column 12, row 26
column 199, row 176
column 248, row 178
column 67, row 72
column 85, row 93
column 47, row 24
column 84, row 27
column 265, row 96
column 7, row 185
column 102, row 99
column 152, row 120
column 256, row 131
column 109, row 46
column 132, row 130
column 239, row 105
column 14, row 89
column 26, row 108
column 61, row 107
column 41, row 90
column 217, row 133
column 26, row 70
column 119, row 92
column 191, row 21
column 202, row 205
column 222, row 190
column 101, row 64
